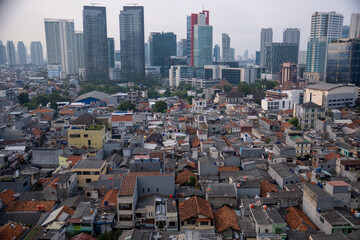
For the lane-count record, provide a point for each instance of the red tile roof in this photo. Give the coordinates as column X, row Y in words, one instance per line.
column 228, row 169
column 110, row 197
column 29, row 206
column 12, row 230
column 338, row 183
column 266, row 187
column 195, row 143
column 184, row 177
column 74, row 159
column 225, row 218
column 41, row 110
column 194, row 206
column 330, row 156
column 289, row 111
column 53, row 183
column 7, row 196
column 127, row 118
column 82, row 236
column 128, row 186
column 128, row 183
column 66, row 112
column 298, row 221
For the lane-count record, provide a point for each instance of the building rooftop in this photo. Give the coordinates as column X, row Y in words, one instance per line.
column 94, row 94
column 310, row 105
column 282, row 170
column 85, row 119
column 325, row 86
column 338, row 183
column 221, row 190
column 89, row 164
column 193, row 206
column 226, row 218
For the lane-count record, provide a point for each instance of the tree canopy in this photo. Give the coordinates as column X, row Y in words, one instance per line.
column 125, row 106
column 160, row 106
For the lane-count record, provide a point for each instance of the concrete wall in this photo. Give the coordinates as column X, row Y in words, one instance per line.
column 46, row 157
column 218, row 202
column 156, row 184
column 207, row 169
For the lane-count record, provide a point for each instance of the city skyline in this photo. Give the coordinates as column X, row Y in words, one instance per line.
column 244, row 28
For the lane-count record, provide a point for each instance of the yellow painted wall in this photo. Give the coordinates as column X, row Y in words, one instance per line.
column 96, row 138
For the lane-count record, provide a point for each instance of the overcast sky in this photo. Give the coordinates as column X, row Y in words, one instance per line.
column 23, row 20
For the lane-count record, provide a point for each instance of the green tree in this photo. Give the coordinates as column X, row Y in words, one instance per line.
column 125, row 106
column 160, row 106
column 167, row 92
column 227, row 88
column 192, row 181
column 294, row 121
column 23, row 98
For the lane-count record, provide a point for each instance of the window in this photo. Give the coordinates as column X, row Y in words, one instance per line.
column 321, row 219
column 88, row 194
column 88, row 180
column 266, row 230
column 150, row 213
column 89, row 142
column 74, row 135
column 204, row 223
column 85, row 135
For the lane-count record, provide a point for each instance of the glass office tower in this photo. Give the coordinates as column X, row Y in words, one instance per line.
column 95, row 44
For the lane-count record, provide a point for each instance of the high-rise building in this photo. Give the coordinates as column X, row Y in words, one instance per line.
column 288, row 72
column 3, row 58
column 343, row 61
column 36, row 51
column 181, row 48
column 257, row 57
column 302, row 57
column 246, row 54
column 202, row 39
column 60, row 43
column 10, row 48
column 132, row 42
column 226, row 47
column 232, row 54
column 354, row 31
column 191, row 21
column 217, row 53
column 147, row 53
column 79, row 50
column 266, row 37
column 21, row 53
column 325, row 27
column 162, row 46
column 117, row 56
column 95, row 43
column 345, row 32
column 292, row 35
column 278, row 53
column 111, row 50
